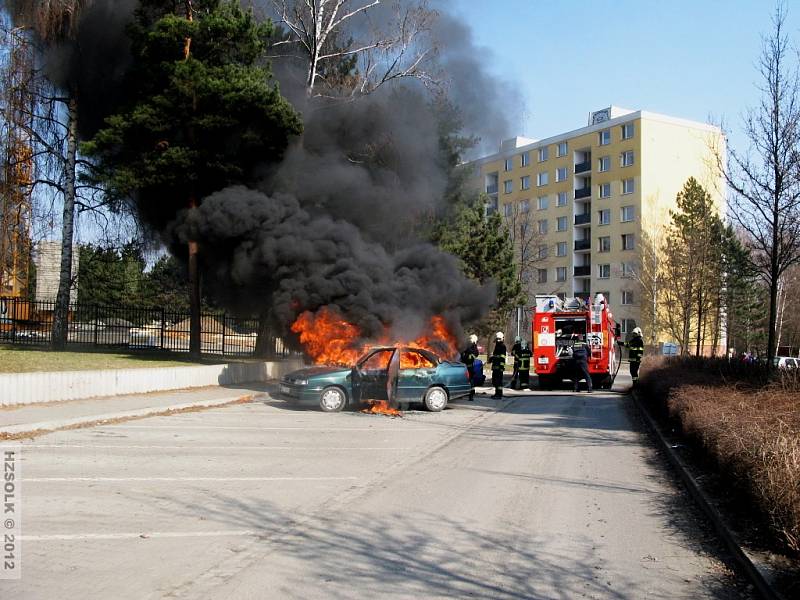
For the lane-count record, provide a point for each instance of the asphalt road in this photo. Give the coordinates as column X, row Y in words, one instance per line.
column 540, row 496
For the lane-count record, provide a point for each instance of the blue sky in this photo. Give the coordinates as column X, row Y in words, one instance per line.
column 694, row 60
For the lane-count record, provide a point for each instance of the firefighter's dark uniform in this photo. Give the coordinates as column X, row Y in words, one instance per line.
column 515, row 350
column 498, row 360
column 468, row 357
column 525, row 355
column 580, row 354
column 635, row 353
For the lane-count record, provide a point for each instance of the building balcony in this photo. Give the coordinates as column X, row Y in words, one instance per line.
column 491, row 189
column 582, row 271
column 583, row 193
column 583, row 220
column 583, row 245
column 583, row 167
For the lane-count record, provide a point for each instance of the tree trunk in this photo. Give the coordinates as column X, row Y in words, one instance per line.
column 194, row 294
column 61, row 311
column 264, row 346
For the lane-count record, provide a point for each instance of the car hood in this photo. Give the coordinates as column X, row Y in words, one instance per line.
column 311, row 372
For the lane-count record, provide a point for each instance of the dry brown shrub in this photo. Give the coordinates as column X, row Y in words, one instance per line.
column 751, row 430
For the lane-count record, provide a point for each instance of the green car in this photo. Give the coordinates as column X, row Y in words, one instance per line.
column 400, row 374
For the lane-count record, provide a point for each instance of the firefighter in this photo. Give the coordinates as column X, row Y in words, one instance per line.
column 635, row 352
column 515, row 350
column 468, row 357
column 524, row 365
column 580, row 354
column 498, row 360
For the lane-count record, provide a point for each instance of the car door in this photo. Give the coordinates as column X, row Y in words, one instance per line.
column 372, row 375
column 417, row 373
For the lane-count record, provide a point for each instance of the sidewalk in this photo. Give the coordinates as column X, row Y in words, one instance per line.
column 37, row 419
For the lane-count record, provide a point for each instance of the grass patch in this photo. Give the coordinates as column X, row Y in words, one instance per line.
column 26, row 360
column 747, row 425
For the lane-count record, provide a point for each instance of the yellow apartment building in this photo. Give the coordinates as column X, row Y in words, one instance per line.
column 586, row 206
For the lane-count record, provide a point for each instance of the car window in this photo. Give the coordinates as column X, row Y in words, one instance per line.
column 412, row 359
column 791, row 362
column 377, row 360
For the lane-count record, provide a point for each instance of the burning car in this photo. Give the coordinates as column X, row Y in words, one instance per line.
column 394, row 374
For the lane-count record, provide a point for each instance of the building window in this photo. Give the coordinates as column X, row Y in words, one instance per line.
column 562, row 149
column 604, row 137
column 524, row 206
column 627, row 131
column 561, row 224
column 541, row 275
column 543, row 154
column 508, row 209
column 627, row 297
column 603, row 163
column 542, row 226
column 605, row 244
column 525, row 182
column 542, row 203
column 604, row 271
column 627, row 214
column 561, row 249
column 561, row 173
column 627, row 241
column 524, row 159
column 543, row 178
column 626, row 158
column 562, row 198
column 627, row 186
column 561, row 273
column 604, row 216
column 628, row 270
column 509, row 164
column 605, row 190
column 542, row 251
column 508, row 186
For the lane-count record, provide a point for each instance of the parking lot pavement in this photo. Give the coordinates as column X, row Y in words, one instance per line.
column 140, row 509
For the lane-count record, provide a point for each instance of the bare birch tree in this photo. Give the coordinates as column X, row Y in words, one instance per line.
column 766, row 179
column 332, row 31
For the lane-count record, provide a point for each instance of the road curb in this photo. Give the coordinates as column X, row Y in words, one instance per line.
column 32, row 430
column 754, row 573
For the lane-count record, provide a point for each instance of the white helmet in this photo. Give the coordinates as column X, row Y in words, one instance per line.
column 517, row 339
column 637, row 331
column 500, row 336
column 473, row 339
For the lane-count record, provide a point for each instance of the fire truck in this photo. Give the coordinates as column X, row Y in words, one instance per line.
column 559, row 324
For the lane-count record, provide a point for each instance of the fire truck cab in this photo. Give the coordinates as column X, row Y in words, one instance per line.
column 559, row 324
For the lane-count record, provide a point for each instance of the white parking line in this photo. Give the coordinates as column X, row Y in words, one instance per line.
column 142, row 534
column 119, row 479
column 248, row 428
column 197, row 447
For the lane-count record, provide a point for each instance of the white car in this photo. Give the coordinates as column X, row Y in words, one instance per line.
column 786, row 362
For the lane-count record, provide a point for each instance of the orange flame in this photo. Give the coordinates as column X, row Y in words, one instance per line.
column 330, row 339
column 381, row 407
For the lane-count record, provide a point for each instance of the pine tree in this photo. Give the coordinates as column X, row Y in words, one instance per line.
column 203, row 113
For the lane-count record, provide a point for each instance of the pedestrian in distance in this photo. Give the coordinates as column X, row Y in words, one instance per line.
column 515, row 352
column 580, row 354
column 525, row 355
column 635, row 352
column 498, row 360
column 468, row 357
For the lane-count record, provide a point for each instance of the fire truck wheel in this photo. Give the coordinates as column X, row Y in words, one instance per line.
column 435, row 399
column 332, row 399
column 546, row 382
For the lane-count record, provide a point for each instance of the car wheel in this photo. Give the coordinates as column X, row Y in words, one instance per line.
column 332, row 399
column 435, row 399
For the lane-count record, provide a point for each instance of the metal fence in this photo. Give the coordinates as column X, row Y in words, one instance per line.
column 31, row 323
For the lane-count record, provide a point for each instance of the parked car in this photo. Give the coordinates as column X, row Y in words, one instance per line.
column 409, row 375
column 786, row 362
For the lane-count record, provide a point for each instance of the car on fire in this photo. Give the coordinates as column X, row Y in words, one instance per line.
column 401, row 374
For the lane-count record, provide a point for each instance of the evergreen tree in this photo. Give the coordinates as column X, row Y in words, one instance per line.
column 111, row 276
column 203, row 113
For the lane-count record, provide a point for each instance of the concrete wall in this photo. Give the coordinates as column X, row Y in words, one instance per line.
column 28, row 388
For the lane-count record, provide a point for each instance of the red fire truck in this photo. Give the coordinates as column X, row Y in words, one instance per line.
column 559, row 324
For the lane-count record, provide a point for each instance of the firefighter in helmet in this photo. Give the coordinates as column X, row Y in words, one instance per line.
column 580, row 354
column 515, row 350
column 468, row 357
column 525, row 355
column 635, row 352
column 498, row 360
